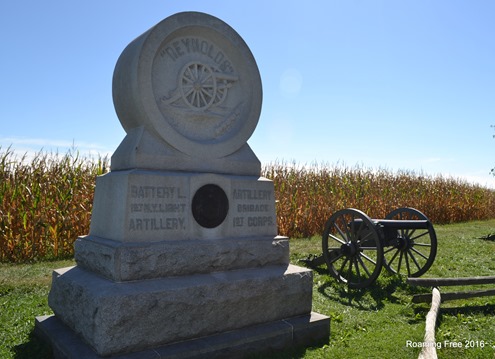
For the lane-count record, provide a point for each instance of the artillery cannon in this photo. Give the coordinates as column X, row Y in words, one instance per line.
column 356, row 247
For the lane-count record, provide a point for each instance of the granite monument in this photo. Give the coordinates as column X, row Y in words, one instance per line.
column 183, row 258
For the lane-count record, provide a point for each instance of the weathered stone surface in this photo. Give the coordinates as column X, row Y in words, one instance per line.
column 307, row 330
column 122, row 317
column 193, row 81
column 183, row 259
column 143, row 150
column 147, row 206
column 130, row 261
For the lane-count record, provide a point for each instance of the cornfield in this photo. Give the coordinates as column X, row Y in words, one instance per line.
column 307, row 196
column 46, row 201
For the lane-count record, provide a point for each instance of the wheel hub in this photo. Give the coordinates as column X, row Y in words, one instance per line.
column 349, row 249
column 404, row 243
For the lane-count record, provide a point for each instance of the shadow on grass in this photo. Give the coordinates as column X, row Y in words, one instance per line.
column 34, row 347
column 465, row 311
column 371, row 298
column 488, row 309
column 295, row 353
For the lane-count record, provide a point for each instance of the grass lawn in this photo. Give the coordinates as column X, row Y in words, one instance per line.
column 376, row 322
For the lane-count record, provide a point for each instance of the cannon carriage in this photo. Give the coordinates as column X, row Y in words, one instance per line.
column 356, row 247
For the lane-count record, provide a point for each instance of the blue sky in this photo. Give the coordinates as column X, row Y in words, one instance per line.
column 404, row 85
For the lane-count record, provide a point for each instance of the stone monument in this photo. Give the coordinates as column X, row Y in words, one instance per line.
column 183, row 258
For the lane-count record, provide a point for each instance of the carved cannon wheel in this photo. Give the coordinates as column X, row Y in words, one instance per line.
column 415, row 249
column 198, row 86
column 352, row 248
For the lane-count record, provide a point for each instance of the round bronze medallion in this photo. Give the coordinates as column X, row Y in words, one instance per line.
column 210, row 206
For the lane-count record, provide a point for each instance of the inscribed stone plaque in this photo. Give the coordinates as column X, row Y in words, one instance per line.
column 140, row 206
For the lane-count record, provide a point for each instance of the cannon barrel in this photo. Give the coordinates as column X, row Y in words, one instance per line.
column 404, row 223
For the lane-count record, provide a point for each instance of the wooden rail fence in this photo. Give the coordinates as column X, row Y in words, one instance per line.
column 428, row 350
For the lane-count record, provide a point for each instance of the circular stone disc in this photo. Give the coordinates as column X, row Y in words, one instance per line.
column 193, row 81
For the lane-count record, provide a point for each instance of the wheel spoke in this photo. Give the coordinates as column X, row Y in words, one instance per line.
column 192, row 96
column 188, row 91
column 366, row 236
column 419, row 253
column 422, row 244
column 189, row 74
column 419, row 236
column 358, row 272
column 390, row 249
column 201, row 94
column 368, row 258
column 364, row 266
column 198, row 99
column 400, row 261
column 343, row 265
column 350, row 271
column 348, row 234
column 414, row 259
column 394, row 256
column 187, row 80
column 206, row 92
column 407, row 264
column 333, row 260
column 208, row 78
column 340, row 231
column 336, row 239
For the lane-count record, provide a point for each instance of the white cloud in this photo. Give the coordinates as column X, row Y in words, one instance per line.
column 28, row 147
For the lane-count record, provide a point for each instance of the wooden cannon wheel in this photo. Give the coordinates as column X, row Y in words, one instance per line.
column 415, row 249
column 352, row 248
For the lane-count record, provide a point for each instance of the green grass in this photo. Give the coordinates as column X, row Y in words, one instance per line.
column 372, row 323
column 23, row 296
column 378, row 321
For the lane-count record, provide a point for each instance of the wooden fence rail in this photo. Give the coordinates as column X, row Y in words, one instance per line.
column 429, row 349
column 443, row 282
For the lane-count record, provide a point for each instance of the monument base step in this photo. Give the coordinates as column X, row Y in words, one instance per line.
column 121, row 261
column 125, row 317
column 306, row 330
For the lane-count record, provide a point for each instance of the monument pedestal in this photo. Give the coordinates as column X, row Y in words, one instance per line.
column 116, row 318
column 263, row 338
column 150, row 275
column 121, row 262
